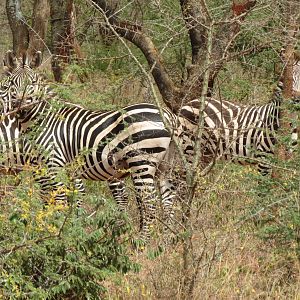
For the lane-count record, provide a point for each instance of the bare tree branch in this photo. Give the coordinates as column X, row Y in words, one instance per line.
column 134, row 33
column 227, row 33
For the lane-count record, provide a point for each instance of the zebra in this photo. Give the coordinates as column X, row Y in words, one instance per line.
column 241, row 133
column 110, row 145
column 12, row 158
column 11, row 145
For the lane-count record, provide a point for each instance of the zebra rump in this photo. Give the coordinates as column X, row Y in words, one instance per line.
column 242, row 133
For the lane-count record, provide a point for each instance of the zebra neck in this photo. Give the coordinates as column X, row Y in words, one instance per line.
column 35, row 115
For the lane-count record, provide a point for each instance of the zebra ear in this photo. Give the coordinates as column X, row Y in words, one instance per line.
column 36, row 60
column 10, row 60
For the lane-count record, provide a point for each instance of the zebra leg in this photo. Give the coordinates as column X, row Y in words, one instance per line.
column 167, row 170
column 146, row 197
column 80, row 189
column 52, row 190
column 167, row 191
column 118, row 190
column 263, row 167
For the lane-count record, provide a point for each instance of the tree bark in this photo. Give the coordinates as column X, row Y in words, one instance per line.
column 18, row 26
column 63, row 35
column 38, row 30
column 292, row 21
column 197, row 20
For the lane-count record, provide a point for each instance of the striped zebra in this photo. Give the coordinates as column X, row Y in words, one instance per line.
column 109, row 146
column 242, row 133
column 12, row 158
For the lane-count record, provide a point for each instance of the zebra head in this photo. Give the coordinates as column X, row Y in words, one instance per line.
column 22, row 85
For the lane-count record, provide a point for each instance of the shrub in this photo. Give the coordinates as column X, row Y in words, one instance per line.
column 56, row 252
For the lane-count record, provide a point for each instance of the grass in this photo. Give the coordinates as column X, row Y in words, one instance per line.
column 234, row 263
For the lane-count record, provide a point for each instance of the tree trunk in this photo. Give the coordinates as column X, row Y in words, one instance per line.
column 198, row 19
column 38, row 31
column 18, row 26
column 287, row 117
column 63, row 35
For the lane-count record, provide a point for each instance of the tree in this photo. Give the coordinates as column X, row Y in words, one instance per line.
column 199, row 22
column 18, row 26
column 64, row 43
column 37, row 33
column 26, row 36
column 291, row 29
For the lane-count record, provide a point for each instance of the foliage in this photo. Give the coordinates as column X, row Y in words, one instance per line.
column 246, row 225
column 55, row 252
column 276, row 210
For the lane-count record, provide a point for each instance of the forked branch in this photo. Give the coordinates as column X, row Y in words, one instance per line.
column 134, row 33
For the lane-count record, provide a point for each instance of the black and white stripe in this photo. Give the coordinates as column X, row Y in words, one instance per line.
column 10, row 146
column 236, row 132
column 232, row 131
column 13, row 157
column 109, row 145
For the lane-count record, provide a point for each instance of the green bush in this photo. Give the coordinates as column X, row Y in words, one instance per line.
column 276, row 211
column 56, row 252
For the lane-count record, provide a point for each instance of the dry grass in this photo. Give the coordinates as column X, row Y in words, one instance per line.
column 235, row 263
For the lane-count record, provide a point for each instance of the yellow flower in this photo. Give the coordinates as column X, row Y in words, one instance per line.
column 128, row 289
column 52, row 229
column 30, row 192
